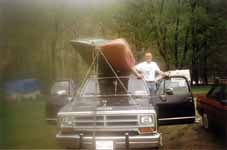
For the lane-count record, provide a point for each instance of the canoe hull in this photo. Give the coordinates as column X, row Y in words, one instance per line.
column 119, row 55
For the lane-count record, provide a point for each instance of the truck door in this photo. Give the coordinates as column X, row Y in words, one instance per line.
column 174, row 101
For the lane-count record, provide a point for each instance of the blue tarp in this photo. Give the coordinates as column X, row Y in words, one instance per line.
column 21, row 86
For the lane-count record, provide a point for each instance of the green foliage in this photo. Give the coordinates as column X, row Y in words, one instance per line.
column 169, row 26
column 1, row 117
column 36, row 34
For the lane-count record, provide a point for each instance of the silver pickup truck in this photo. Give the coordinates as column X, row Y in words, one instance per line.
column 112, row 118
column 119, row 113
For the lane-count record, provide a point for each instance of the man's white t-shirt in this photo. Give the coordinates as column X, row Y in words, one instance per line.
column 148, row 70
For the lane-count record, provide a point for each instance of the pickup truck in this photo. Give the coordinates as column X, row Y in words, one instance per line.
column 123, row 115
column 115, row 111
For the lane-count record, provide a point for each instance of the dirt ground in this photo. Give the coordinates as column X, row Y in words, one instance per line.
column 191, row 137
column 20, row 126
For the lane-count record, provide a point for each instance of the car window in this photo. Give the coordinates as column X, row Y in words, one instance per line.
column 137, row 87
column 112, row 86
column 176, row 85
column 217, row 92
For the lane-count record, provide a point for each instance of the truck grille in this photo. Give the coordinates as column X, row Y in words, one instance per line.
column 106, row 121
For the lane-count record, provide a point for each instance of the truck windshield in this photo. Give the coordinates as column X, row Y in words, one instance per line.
column 114, row 86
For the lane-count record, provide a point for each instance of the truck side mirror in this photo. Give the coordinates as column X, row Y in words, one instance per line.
column 169, row 91
column 163, row 97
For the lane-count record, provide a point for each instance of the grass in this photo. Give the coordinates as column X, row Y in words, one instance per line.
column 200, row 89
column 23, row 125
column 1, row 116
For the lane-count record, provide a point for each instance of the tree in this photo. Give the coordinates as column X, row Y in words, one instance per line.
column 182, row 31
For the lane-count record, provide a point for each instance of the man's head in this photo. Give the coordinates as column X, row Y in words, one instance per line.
column 148, row 56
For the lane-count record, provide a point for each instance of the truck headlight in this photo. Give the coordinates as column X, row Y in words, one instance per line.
column 147, row 120
column 61, row 92
column 66, row 121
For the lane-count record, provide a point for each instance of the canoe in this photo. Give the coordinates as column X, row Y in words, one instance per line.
column 119, row 55
column 86, row 48
column 117, row 52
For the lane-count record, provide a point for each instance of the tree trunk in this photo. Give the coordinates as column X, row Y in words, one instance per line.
column 204, row 71
column 194, row 66
column 163, row 54
column 53, row 49
column 176, row 43
column 186, row 46
column 205, row 74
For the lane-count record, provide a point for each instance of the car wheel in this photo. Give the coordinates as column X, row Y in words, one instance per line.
column 205, row 121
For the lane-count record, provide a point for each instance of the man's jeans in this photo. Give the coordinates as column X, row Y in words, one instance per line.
column 151, row 87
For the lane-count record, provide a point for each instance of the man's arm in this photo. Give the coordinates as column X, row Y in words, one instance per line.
column 158, row 70
column 162, row 73
column 136, row 72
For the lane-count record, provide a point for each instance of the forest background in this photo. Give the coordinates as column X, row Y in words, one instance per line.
column 183, row 34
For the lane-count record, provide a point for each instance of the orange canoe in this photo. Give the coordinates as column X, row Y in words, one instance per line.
column 119, row 55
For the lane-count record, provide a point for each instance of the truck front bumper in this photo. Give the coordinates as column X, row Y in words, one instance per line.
column 119, row 142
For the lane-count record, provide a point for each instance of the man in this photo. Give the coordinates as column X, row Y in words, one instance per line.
column 147, row 70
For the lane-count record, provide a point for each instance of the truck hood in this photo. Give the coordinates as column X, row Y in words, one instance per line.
column 107, row 103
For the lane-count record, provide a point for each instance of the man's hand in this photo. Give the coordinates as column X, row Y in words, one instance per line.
column 166, row 75
column 140, row 76
column 162, row 75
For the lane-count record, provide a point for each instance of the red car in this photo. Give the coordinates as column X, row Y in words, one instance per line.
column 213, row 107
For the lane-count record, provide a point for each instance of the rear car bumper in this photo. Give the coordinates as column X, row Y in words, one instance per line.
column 119, row 142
